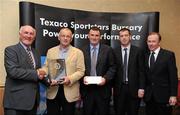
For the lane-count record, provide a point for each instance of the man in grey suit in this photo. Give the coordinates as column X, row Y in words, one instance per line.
column 21, row 86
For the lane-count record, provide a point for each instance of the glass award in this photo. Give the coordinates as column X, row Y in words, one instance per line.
column 56, row 69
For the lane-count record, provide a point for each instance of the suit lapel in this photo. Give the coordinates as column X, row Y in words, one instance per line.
column 120, row 56
column 35, row 57
column 23, row 52
column 100, row 54
column 88, row 54
column 25, row 55
column 147, row 60
column 159, row 57
column 131, row 55
column 69, row 55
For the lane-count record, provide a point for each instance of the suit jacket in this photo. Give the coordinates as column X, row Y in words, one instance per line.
column 136, row 78
column 161, row 78
column 74, row 69
column 21, row 86
column 105, row 67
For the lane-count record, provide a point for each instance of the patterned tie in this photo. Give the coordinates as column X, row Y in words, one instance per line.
column 30, row 56
column 152, row 59
column 125, row 65
column 93, row 62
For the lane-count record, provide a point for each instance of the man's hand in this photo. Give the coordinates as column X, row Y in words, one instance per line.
column 85, row 81
column 41, row 73
column 54, row 82
column 66, row 81
column 103, row 81
column 172, row 100
column 141, row 93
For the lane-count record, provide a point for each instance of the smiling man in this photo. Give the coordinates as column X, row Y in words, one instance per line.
column 99, row 61
column 61, row 97
column 129, row 80
column 21, row 63
column 162, row 80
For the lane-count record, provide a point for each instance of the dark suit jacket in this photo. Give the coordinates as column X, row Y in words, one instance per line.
column 105, row 68
column 21, row 86
column 136, row 78
column 161, row 77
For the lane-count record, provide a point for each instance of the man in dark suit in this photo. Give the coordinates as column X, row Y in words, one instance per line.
column 129, row 79
column 21, row 86
column 96, row 97
column 162, row 80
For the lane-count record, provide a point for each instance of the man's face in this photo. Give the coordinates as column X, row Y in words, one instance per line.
column 94, row 37
column 65, row 37
column 153, row 42
column 27, row 35
column 125, row 38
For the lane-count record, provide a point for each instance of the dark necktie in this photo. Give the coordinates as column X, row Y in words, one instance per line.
column 152, row 59
column 125, row 65
column 93, row 62
column 30, row 57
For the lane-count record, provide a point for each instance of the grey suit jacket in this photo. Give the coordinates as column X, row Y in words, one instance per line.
column 21, row 86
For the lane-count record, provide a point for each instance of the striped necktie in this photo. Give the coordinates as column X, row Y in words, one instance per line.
column 30, row 56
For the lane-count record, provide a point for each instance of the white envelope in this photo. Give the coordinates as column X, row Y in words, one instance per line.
column 93, row 79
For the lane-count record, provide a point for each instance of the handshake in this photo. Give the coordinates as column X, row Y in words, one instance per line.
column 42, row 75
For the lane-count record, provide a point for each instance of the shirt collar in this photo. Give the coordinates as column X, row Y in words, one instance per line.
column 24, row 46
column 157, row 50
column 64, row 49
column 128, row 47
column 91, row 46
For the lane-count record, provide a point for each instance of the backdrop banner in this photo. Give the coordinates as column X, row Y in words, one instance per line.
column 48, row 20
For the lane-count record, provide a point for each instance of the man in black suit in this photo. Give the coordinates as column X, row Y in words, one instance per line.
column 129, row 79
column 162, row 80
column 96, row 97
column 21, row 86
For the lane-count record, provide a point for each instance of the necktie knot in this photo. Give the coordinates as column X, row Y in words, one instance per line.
column 28, row 49
column 94, row 48
column 152, row 53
